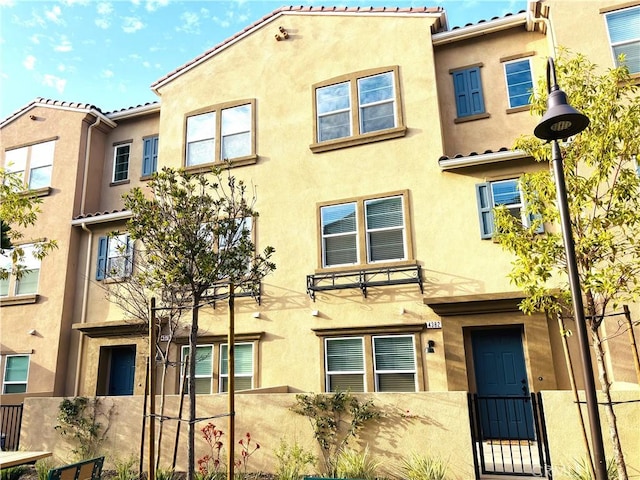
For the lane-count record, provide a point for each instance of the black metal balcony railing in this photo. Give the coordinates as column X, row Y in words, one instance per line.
column 363, row 279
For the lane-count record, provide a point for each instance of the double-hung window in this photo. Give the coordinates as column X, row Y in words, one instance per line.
column 115, row 257
column 390, row 359
column 357, row 108
column 16, row 374
column 225, row 133
column 243, row 365
column 22, row 278
column 519, row 82
column 490, row 195
column 467, row 85
column 121, row 162
column 149, row 155
column 623, row 27
column 204, row 367
column 32, row 164
column 364, row 231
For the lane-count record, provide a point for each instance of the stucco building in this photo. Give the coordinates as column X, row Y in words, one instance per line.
column 374, row 175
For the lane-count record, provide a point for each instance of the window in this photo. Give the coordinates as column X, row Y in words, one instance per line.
column 467, row 86
column 115, row 257
column 225, row 133
column 364, row 231
column 503, row 192
column 16, row 374
column 624, row 36
column 149, row 156
column 26, row 281
column 33, row 164
column 519, row 82
column 243, row 363
column 121, row 163
column 204, row 367
column 361, row 104
column 393, row 363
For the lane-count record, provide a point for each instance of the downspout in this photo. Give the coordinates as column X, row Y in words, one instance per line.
column 87, row 151
column 87, row 267
column 551, row 36
column 83, row 314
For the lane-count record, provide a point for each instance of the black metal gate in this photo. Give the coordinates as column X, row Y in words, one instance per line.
column 498, row 451
column 10, row 421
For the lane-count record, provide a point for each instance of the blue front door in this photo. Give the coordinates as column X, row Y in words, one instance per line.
column 504, row 402
column 122, row 370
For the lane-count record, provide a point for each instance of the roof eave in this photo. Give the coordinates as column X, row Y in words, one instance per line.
column 92, row 111
column 481, row 159
column 479, row 29
column 105, row 218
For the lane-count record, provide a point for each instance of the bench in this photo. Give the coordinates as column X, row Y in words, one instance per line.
column 84, row 470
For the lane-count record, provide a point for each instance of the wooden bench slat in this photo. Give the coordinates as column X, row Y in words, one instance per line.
column 85, row 470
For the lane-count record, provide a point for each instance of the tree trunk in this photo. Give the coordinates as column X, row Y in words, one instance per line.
column 193, row 343
column 605, row 385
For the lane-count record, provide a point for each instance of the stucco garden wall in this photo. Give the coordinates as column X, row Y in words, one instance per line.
column 425, row 423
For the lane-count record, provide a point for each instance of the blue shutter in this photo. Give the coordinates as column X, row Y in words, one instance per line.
column 103, row 244
column 150, row 156
column 468, row 91
column 485, row 209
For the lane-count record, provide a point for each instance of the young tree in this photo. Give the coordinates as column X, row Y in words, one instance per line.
column 603, row 188
column 195, row 236
column 19, row 209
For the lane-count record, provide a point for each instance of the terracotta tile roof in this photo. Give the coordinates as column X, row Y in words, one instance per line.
column 47, row 102
column 133, row 107
column 301, row 9
column 99, row 214
column 473, row 154
column 485, row 21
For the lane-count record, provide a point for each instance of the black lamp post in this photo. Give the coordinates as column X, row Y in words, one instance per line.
column 562, row 121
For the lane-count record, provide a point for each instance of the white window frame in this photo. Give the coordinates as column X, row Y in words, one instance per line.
column 222, row 376
column 184, row 351
column 392, row 100
column 330, row 373
column 119, row 246
column 321, row 114
column 220, row 123
column 25, row 160
column 12, row 283
column 116, row 155
column 378, row 372
column 370, row 231
column 4, row 374
column 325, row 236
column 627, row 41
column 508, row 84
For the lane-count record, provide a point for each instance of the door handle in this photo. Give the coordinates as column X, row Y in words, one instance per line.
column 525, row 390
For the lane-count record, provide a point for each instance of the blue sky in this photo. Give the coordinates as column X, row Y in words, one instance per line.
column 108, row 52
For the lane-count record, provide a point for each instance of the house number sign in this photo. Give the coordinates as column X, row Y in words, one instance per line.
column 434, row 324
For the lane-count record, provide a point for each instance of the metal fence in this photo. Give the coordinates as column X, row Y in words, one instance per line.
column 509, row 435
column 10, row 420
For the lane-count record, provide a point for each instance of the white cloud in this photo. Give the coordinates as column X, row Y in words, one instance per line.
column 7, row 3
column 29, row 62
column 102, row 23
column 35, row 38
column 64, row 45
column 146, row 64
column 190, row 23
column 55, row 82
column 70, row 3
column 61, row 67
column 104, row 8
column 221, row 22
column 107, row 73
column 131, row 24
column 54, row 14
column 153, row 5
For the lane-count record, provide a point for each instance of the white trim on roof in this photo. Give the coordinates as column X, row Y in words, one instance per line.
column 135, row 111
column 481, row 159
column 107, row 217
column 92, row 110
column 479, row 29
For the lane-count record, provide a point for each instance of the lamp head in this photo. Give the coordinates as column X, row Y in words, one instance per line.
column 561, row 120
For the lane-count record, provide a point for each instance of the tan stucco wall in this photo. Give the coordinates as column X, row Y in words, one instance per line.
column 424, row 423
column 565, row 434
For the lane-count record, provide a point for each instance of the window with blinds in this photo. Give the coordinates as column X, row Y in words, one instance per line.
column 624, row 36
column 204, row 367
column 394, row 363
column 243, row 363
column 344, row 364
column 368, row 230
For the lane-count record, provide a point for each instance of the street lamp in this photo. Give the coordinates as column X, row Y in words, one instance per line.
column 562, row 121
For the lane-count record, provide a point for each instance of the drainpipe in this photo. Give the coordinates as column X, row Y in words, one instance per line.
column 87, row 150
column 551, row 36
column 83, row 314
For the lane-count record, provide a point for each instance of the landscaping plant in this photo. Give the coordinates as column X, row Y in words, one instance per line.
column 421, row 467
column 293, row 461
column 354, row 464
column 126, row 469
column 12, row 473
column 580, row 470
column 77, row 418
column 42, row 468
column 336, row 419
